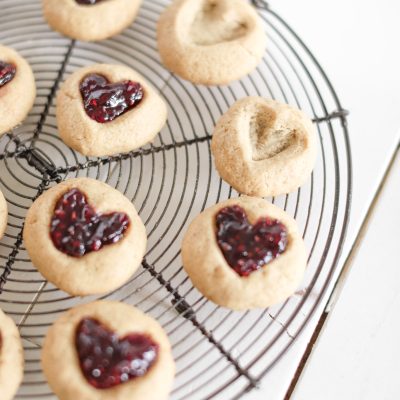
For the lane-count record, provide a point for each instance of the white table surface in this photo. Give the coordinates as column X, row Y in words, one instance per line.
column 356, row 42
column 357, row 354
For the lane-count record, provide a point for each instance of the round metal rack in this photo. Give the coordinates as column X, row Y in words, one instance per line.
column 219, row 353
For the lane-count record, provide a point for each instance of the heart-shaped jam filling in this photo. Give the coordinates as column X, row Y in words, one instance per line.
column 106, row 360
column 105, row 101
column 76, row 229
column 88, row 2
column 247, row 247
column 7, row 72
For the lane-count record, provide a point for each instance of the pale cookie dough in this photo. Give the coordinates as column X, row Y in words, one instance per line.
column 127, row 132
column 90, row 22
column 11, row 358
column 18, row 95
column 3, row 215
column 264, row 148
column 61, row 363
column 98, row 271
column 210, row 273
column 211, row 42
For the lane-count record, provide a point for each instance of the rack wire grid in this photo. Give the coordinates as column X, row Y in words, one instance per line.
column 220, row 354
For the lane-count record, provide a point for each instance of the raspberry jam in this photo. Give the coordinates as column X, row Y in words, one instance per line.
column 76, row 229
column 7, row 72
column 247, row 247
column 104, row 101
column 88, row 2
column 107, row 360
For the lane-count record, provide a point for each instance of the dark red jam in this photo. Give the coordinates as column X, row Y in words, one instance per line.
column 247, row 247
column 7, row 72
column 104, row 101
column 76, row 229
column 88, row 2
column 106, row 360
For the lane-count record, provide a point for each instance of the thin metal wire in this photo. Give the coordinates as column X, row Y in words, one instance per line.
column 218, row 352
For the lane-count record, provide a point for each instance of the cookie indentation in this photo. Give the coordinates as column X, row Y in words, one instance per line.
column 247, row 247
column 108, row 361
column 216, row 23
column 104, row 101
column 268, row 139
column 76, row 229
column 7, row 72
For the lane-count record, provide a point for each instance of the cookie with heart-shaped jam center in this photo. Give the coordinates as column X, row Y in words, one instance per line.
column 90, row 20
column 105, row 101
column 17, row 89
column 110, row 351
column 107, row 360
column 85, row 237
column 11, row 358
column 108, row 109
column 248, row 247
column 211, row 42
column 264, row 148
column 76, row 228
column 244, row 253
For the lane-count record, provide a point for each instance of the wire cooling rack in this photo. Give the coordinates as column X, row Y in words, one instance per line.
column 219, row 353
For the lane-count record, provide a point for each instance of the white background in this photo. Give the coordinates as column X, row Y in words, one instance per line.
column 356, row 356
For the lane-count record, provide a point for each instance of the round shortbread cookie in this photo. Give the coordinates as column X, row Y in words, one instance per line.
column 18, row 94
column 211, row 42
column 90, row 22
column 213, row 275
column 11, row 358
column 61, row 362
column 95, row 271
column 128, row 131
column 264, row 148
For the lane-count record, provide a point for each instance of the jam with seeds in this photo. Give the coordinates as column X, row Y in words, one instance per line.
column 88, row 2
column 7, row 72
column 76, row 229
column 106, row 360
column 247, row 247
column 104, row 101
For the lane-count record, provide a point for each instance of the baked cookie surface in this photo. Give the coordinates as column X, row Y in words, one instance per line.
column 266, row 246
column 17, row 89
column 98, row 262
column 89, row 22
column 62, row 352
column 264, row 148
column 11, row 358
column 3, row 215
column 211, row 42
column 127, row 131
